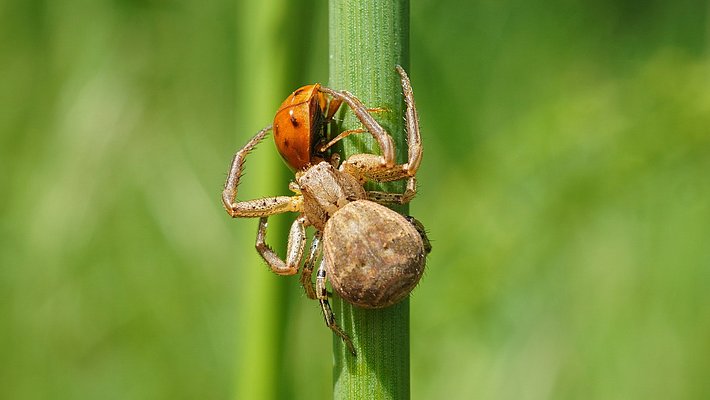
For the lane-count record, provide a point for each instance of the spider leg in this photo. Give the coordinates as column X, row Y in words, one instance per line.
column 366, row 167
column 396, row 198
column 229, row 194
column 306, row 274
column 373, row 167
column 422, row 232
column 361, row 112
column 414, row 139
column 294, row 249
column 322, row 295
column 257, row 207
column 265, row 207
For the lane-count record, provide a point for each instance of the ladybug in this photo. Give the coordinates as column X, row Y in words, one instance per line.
column 300, row 126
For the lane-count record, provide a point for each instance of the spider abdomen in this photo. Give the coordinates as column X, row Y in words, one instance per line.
column 374, row 256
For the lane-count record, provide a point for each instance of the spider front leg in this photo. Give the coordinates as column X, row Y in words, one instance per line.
column 322, row 294
column 258, row 207
column 372, row 167
column 294, row 249
column 229, row 194
column 363, row 114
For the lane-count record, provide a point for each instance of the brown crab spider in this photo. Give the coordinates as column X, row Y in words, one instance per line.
column 352, row 229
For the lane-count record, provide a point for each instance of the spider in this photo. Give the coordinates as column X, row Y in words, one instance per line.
column 373, row 256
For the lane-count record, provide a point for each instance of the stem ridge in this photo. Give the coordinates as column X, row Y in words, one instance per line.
column 367, row 39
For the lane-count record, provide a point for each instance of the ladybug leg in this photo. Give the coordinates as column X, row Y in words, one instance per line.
column 378, row 110
column 333, row 107
column 335, row 160
column 307, row 273
column 322, row 295
column 294, row 249
column 340, row 137
column 376, row 130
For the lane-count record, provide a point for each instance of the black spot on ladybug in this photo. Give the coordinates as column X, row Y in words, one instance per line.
column 286, row 143
column 294, row 121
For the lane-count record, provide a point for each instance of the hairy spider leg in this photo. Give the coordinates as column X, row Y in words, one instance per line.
column 322, row 294
column 294, row 249
column 307, row 273
column 376, row 130
column 377, row 167
column 258, row 207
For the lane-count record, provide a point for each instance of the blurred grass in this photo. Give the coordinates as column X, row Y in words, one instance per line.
column 564, row 185
column 265, row 326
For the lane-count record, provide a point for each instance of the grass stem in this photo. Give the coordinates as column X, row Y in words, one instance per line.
column 367, row 39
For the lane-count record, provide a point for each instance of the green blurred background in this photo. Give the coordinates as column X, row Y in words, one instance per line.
column 565, row 186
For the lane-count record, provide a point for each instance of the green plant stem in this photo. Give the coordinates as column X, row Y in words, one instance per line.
column 367, row 39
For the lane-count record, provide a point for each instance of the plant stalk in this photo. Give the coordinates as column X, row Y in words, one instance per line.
column 367, row 39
